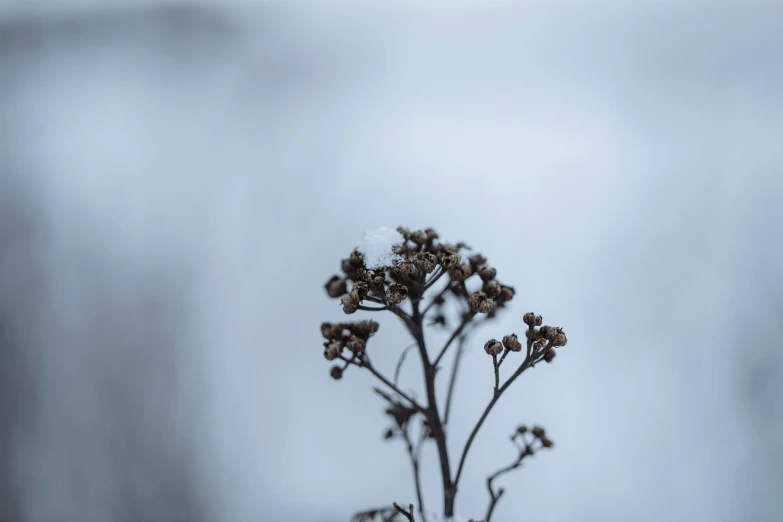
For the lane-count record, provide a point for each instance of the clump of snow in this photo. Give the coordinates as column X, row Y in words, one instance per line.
column 377, row 245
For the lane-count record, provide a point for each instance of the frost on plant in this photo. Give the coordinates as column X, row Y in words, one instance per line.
column 430, row 284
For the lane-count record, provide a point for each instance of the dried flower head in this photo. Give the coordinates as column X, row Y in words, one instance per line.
column 561, row 339
column 349, row 304
column 492, row 288
column 336, row 287
column 550, row 355
column 448, row 259
column 356, row 344
column 359, row 291
column 522, row 429
column 532, row 319
column 426, row 262
column 336, row 372
column 363, row 329
column 486, row 273
column 546, row 442
column 332, row 331
column 493, row 347
column 539, row 344
column 397, row 293
column 480, row 303
column 511, row 342
column 403, row 268
column 506, row 293
column 460, row 272
column 477, row 261
column 538, row 432
column 333, row 350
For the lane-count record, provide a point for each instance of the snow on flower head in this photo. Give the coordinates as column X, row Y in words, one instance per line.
column 377, row 245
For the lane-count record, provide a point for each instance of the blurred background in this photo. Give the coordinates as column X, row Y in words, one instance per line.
column 178, row 180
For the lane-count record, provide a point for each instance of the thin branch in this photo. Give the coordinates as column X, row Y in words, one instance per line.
column 406, row 513
column 497, row 373
column 453, row 377
column 434, row 279
column 400, row 361
column 528, row 362
column 437, row 297
column 416, row 473
column 371, row 308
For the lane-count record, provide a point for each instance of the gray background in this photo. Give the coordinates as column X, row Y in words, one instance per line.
column 178, row 180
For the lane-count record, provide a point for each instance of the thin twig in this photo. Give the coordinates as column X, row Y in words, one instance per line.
column 453, row 377
column 465, row 320
column 400, row 361
column 437, row 297
column 371, row 309
column 366, row 364
column 497, row 373
column 416, row 473
column 407, row 514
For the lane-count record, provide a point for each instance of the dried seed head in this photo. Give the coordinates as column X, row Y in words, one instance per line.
column 460, row 272
column 419, row 237
column 480, row 303
column 538, row 432
column 349, row 304
column 492, row 288
column 493, row 347
column 363, row 329
column 511, row 342
column 522, row 429
column 332, row 331
column 396, row 293
column 336, row 372
column 357, row 259
column 506, row 293
column 561, row 339
column 403, row 268
column 359, row 291
column 333, row 350
column 550, row 332
column 335, row 287
column 448, row 259
column 486, row 273
column 550, row 355
column 532, row 319
column 404, row 232
column 389, row 434
column 356, row 344
column 476, row 261
column 540, row 344
column 426, row 262
column 431, row 235
column 546, row 442
column 377, row 277
column 351, row 272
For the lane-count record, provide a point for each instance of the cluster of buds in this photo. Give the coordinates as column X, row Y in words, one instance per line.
column 545, row 338
column 342, row 336
column 537, row 433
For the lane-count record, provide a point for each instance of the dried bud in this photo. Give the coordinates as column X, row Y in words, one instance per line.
column 335, row 287
column 356, row 344
column 546, row 442
column 403, row 268
column 486, row 273
column 522, row 429
column 389, row 434
column 538, row 431
column 336, row 372
column 448, row 259
column 550, row 355
column 539, row 345
column 506, row 293
column 350, row 271
column 476, row 261
column 419, row 237
column 359, row 291
column 511, row 342
column 331, row 331
column 426, row 262
column 349, row 304
column 404, row 232
column 357, row 259
column 460, row 272
column 532, row 319
column 550, row 332
column 480, row 303
column 492, row 288
column 431, row 235
column 561, row 339
column 333, row 350
column 493, row 347
column 363, row 329
column 396, row 293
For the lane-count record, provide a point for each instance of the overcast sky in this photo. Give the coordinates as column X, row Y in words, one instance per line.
column 177, row 183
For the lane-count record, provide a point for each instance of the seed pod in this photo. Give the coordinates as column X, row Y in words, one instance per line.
column 511, row 342
column 397, row 293
column 403, row 268
column 356, row 344
column 426, row 262
column 333, row 350
column 493, row 347
column 546, row 442
column 550, row 355
column 460, row 272
column 349, row 304
column 335, row 287
column 538, row 431
column 486, row 273
column 336, row 372
column 480, row 303
column 359, row 291
column 492, row 288
column 448, row 259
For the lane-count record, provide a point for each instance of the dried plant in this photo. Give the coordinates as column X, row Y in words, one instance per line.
column 426, row 283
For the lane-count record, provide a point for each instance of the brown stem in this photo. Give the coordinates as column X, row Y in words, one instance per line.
column 416, row 473
column 529, row 361
column 497, row 372
column 406, row 513
column 365, row 363
column 453, row 378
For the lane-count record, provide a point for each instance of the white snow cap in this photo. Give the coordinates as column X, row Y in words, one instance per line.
column 376, row 247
